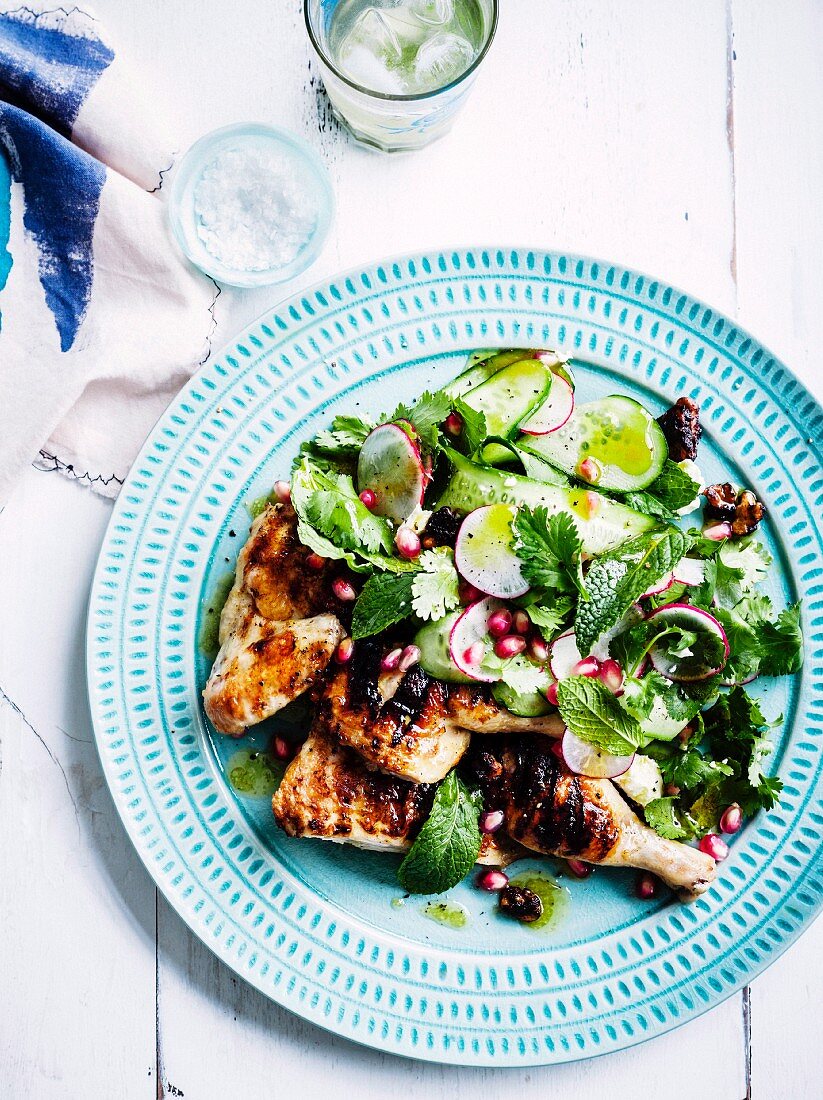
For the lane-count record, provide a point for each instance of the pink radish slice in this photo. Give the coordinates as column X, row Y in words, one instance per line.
column 483, row 554
column 390, row 465
column 564, row 655
column 555, row 410
column 692, row 666
column 690, row 571
column 665, row 582
column 584, row 759
column 469, row 641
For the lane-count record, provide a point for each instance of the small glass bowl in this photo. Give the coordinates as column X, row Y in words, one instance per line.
column 307, row 168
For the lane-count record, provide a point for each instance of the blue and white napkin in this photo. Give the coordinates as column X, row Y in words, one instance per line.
column 101, row 319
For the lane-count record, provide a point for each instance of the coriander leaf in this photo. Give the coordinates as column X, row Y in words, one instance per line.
column 639, row 697
column 661, row 816
column 345, row 437
column 705, row 812
column 745, row 649
column 447, row 846
column 749, row 557
column 517, row 673
column 474, row 426
column 722, row 584
column 591, row 712
column 425, row 416
column 549, row 548
column 673, row 487
column 736, row 731
column 434, row 588
column 782, row 643
column 617, row 579
column 386, row 599
column 549, row 614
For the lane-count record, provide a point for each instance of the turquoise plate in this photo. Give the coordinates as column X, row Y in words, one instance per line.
column 319, row 927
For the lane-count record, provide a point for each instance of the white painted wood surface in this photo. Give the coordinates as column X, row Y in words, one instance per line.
column 683, row 139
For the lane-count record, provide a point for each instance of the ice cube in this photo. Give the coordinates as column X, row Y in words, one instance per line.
column 436, row 13
column 370, row 71
column 442, row 59
column 371, row 53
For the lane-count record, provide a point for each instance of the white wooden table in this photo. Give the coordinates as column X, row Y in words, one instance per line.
column 683, row 139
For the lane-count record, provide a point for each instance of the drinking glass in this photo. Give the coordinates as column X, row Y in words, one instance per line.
column 393, row 122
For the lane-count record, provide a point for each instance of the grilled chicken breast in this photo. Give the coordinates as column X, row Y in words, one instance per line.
column 400, row 725
column 278, row 629
column 329, row 793
column 550, row 810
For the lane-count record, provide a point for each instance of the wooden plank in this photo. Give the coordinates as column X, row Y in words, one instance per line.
column 777, row 128
column 77, row 948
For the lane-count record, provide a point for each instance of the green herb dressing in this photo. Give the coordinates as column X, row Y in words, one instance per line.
column 210, row 627
column 259, row 504
column 450, row 914
column 253, row 773
column 554, row 897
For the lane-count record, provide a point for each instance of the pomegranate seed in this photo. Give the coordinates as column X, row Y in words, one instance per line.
column 314, row 561
column 671, row 790
column 474, row 654
column 500, row 623
column 646, row 886
column 578, row 868
column 718, row 531
column 407, row 542
column 391, row 660
column 282, row 749
column 344, row 651
column 454, row 423
column 521, row 622
column 592, row 504
column 492, row 880
column 490, row 821
column 732, row 819
column 282, row 490
column 590, row 470
column 611, row 674
column 589, row 666
column 714, row 846
column 468, row 593
column 408, row 658
column 343, row 590
column 557, row 749
column 509, row 646
column 551, row 694
column 368, row 498
column 538, row 649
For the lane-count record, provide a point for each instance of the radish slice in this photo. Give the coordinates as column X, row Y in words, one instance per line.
column 690, row 571
column 470, row 642
column 483, row 554
column 665, row 582
column 584, row 759
column 696, row 663
column 390, row 465
column 564, row 655
column 555, row 410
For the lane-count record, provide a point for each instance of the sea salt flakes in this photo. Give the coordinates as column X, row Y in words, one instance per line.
column 255, row 208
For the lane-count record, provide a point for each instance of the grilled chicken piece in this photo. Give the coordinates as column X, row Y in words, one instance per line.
column 278, row 628
column 400, row 725
column 473, row 708
column 550, row 810
column 329, row 793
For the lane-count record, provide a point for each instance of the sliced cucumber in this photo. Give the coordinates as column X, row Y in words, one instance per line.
column 532, row 704
column 539, row 469
column 433, row 643
column 507, row 398
column 481, row 366
column 614, row 443
column 602, row 523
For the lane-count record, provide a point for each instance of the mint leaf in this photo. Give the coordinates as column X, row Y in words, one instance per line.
column 474, row 426
column 673, row 487
column 782, row 644
column 661, row 816
column 386, row 599
column 591, row 712
column 448, row 845
column 549, row 548
column 434, row 588
column 617, row 579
